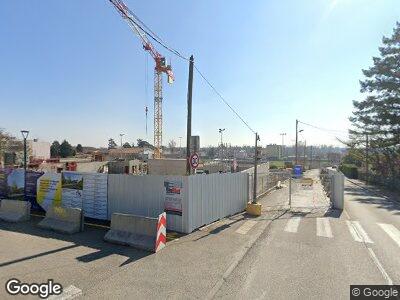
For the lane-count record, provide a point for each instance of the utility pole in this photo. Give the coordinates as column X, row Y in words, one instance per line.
column 189, row 115
column 255, row 171
column 305, row 152
column 297, row 133
column 311, row 157
column 366, row 158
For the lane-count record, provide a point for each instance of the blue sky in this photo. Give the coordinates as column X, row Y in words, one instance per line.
column 73, row 69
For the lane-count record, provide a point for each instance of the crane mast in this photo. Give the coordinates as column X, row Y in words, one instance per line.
column 160, row 67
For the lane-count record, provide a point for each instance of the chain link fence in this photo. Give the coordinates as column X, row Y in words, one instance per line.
column 267, row 182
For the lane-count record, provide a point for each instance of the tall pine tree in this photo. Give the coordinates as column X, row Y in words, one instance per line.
column 378, row 115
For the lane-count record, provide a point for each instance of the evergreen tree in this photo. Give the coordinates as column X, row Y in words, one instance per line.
column 112, row 144
column 79, row 148
column 55, row 149
column 66, row 149
column 378, row 115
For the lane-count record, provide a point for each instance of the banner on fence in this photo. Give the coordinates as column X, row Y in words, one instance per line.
column 3, row 182
column 15, row 183
column 72, row 189
column 95, row 196
column 31, row 187
column 49, row 190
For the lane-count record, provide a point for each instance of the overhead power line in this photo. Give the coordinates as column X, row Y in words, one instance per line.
column 158, row 40
column 323, row 129
column 223, row 99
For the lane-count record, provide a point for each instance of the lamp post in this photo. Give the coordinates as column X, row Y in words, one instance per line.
column 283, row 135
column 25, row 134
column 121, row 135
column 221, row 130
column 297, row 134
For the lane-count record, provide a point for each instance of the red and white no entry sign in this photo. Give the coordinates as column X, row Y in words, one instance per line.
column 194, row 160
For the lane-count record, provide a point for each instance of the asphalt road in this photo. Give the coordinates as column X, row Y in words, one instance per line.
column 317, row 255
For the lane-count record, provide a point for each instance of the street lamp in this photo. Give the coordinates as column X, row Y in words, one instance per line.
column 180, row 146
column 121, row 135
column 297, row 133
column 25, row 134
column 282, row 134
column 221, row 130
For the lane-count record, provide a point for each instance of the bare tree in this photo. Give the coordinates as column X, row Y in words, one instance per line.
column 172, row 145
column 9, row 142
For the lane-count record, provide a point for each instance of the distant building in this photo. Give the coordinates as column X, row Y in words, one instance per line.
column 241, row 154
column 38, row 150
column 130, row 153
column 272, row 151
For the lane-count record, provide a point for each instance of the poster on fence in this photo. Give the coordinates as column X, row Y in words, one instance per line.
column 15, row 183
column 95, row 195
column 72, row 189
column 31, row 187
column 3, row 182
column 173, row 197
column 49, row 190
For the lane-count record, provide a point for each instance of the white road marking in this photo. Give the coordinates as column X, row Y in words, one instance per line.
column 392, row 231
column 246, row 227
column 324, row 228
column 68, row 293
column 380, row 267
column 293, row 224
column 357, row 232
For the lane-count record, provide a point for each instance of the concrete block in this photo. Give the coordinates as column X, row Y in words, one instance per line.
column 254, row 209
column 15, row 210
column 140, row 232
column 63, row 219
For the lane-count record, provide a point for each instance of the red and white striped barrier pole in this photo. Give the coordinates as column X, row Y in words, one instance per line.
column 161, row 232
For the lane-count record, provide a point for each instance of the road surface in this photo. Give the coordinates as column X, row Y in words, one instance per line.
column 316, row 255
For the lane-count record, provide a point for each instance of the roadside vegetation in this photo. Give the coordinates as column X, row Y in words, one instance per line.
column 375, row 133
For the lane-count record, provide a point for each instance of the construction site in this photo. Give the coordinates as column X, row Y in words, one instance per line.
column 159, row 182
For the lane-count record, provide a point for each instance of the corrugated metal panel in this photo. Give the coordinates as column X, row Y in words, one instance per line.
column 144, row 195
column 215, row 196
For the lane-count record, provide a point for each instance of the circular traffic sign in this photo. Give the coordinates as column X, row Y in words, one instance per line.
column 194, row 160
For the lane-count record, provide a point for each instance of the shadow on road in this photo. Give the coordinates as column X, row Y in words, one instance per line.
column 367, row 197
column 91, row 237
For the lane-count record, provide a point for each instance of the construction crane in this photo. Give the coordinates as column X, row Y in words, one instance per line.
column 160, row 67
